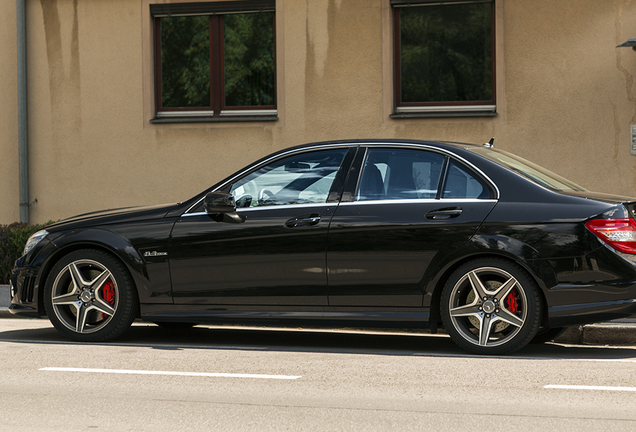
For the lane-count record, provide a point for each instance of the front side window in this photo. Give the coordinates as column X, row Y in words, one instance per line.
column 300, row 179
column 444, row 56
column 215, row 59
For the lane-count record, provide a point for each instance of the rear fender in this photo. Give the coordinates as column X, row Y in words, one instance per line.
column 484, row 246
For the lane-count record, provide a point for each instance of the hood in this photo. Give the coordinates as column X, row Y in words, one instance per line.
column 113, row 216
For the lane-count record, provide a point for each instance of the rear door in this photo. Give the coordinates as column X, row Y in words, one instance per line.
column 410, row 208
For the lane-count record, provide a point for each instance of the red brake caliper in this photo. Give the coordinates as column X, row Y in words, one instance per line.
column 511, row 301
column 108, row 294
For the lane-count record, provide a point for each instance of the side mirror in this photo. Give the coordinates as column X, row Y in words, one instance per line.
column 219, row 202
column 222, row 208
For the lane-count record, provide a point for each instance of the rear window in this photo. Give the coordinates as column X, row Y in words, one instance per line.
column 528, row 169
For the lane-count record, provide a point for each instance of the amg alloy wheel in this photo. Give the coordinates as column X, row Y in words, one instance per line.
column 491, row 306
column 89, row 296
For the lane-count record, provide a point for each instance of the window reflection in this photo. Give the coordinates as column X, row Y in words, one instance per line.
column 185, row 61
column 300, row 179
column 400, row 174
column 249, row 59
column 445, row 52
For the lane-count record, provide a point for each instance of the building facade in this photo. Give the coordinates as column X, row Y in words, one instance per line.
column 136, row 102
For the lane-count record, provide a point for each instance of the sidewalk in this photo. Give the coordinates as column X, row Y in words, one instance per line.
column 619, row 332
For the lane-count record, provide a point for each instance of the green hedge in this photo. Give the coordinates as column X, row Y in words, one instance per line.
column 13, row 237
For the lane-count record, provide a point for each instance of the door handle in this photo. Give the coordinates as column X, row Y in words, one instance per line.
column 302, row 221
column 445, row 213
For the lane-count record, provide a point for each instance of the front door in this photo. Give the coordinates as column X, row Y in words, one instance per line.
column 277, row 256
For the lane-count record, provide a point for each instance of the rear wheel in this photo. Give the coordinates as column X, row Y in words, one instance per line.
column 491, row 306
column 89, row 296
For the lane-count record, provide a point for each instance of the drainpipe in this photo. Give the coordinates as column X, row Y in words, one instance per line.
column 23, row 147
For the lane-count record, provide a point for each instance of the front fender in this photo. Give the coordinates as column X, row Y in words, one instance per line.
column 103, row 239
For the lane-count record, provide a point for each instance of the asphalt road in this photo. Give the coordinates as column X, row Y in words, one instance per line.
column 218, row 379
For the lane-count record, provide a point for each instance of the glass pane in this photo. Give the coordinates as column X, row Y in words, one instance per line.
column 446, row 53
column 400, row 174
column 299, row 179
column 528, row 169
column 461, row 183
column 249, row 59
column 185, row 61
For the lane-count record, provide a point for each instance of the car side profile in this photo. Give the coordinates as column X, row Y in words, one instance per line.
column 361, row 233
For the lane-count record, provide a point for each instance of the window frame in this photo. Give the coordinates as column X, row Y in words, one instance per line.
column 443, row 108
column 217, row 110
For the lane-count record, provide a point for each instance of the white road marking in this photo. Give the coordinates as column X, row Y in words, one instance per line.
column 582, row 387
column 173, row 373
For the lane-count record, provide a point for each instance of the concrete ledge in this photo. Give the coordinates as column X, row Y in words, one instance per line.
column 5, row 296
column 617, row 334
column 5, row 301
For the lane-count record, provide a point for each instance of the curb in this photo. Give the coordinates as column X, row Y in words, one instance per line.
column 618, row 333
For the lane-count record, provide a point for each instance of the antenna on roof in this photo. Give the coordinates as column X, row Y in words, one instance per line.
column 490, row 143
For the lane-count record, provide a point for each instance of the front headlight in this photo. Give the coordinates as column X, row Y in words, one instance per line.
column 34, row 240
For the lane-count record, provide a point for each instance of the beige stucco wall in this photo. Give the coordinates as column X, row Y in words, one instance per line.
column 565, row 98
column 9, row 210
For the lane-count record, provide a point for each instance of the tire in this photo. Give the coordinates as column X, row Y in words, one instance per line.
column 89, row 296
column 491, row 306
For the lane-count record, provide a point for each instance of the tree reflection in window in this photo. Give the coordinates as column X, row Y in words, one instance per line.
column 445, row 53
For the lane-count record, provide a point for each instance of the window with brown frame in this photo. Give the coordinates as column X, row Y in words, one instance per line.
column 444, row 57
column 215, row 60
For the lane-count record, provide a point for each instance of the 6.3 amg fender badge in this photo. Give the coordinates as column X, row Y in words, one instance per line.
column 155, row 254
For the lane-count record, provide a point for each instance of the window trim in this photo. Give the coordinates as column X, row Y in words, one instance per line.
column 445, row 108
column 211, row 8
column 217, row 111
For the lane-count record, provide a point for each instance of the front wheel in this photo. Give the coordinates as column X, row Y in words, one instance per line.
column 89, row 296
column 491, row 306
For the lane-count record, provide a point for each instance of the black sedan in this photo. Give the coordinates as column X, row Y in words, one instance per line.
column 494, row 249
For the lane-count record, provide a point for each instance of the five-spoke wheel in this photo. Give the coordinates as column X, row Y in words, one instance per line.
column 89, row 296
column 491, row 306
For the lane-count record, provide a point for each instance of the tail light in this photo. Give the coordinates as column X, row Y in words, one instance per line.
column 620, row 234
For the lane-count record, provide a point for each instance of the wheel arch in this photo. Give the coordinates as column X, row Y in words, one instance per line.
column 533, row 269
column 112, row 244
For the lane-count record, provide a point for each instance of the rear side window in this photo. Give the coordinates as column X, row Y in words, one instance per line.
column 462, row 184
column 395, row 174
column 398, row 174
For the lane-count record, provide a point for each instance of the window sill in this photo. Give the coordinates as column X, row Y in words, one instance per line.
column 445, row 111
column 224, row 119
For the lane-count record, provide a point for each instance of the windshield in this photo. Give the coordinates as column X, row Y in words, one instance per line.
column 528, row 169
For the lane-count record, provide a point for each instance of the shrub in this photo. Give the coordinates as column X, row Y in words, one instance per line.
column 13, row 237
